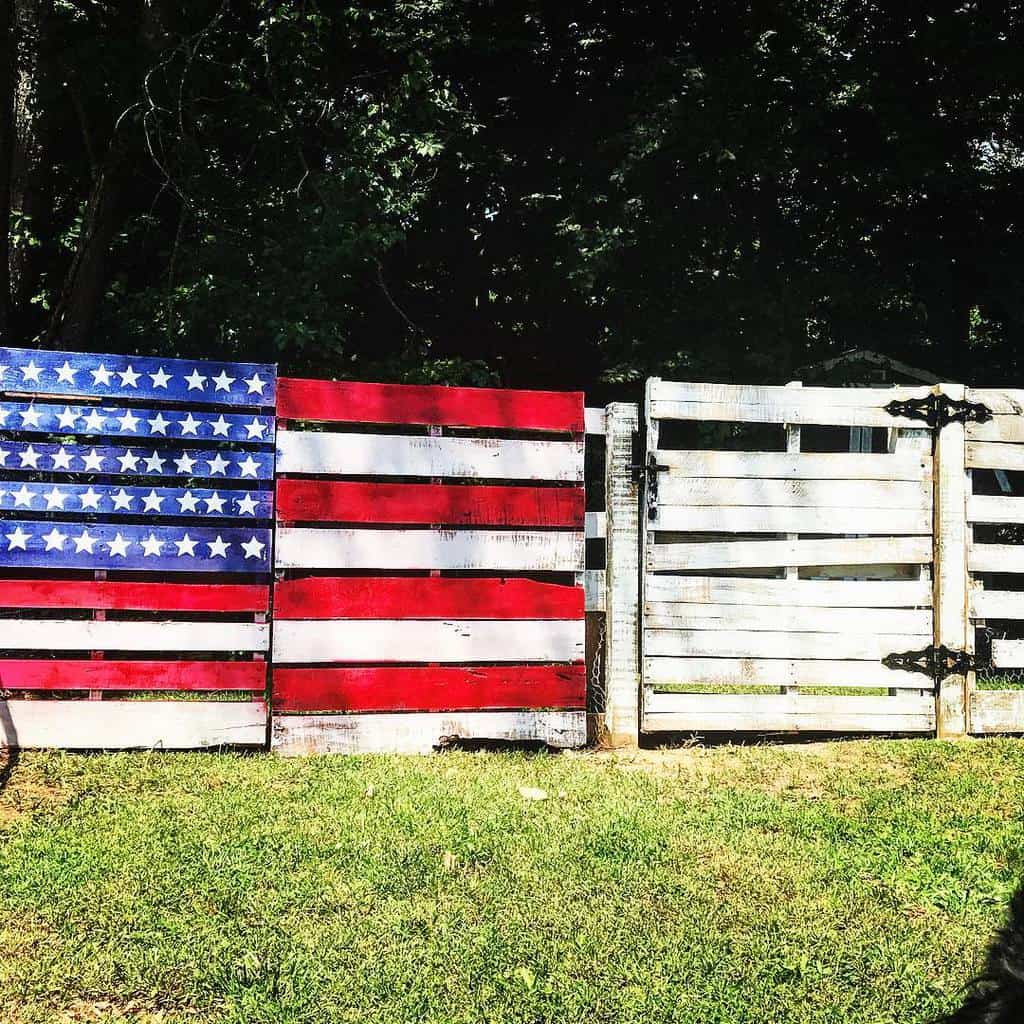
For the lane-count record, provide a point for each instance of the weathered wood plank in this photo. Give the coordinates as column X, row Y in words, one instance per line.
column 805, row 397
column 594, row 421
column 795, row 618
column 795, row 465
column 780, row 672
column 997, row 711
column 996, row 604
column 991, row 455
column 594, row 583
column 742, row 643
column 793, row 519
column 813, row 593
column 999, row 428
column 995, row 508
column 782, row 411
column 1008, row 653
column 876, row 494
column 596, row 525
column 82, row 674
column 89, row 635
column 996, row 558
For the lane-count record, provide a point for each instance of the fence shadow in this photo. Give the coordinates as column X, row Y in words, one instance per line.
column 10, row 752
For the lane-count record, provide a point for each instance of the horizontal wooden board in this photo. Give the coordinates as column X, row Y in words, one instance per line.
column 783, row 410
column 997, row 711
column 795, row 465
column 791, row 519
column 88, row 635
column 743, row 643
column 877, row 494
column 427, row 688
column 992, row 455
column 126, row 596
column 132, row 724
column 336, row 501
column 1007, row 401
column 995, row 508
column 757, row 394
column 433, row 405
column 995, row 558
column 421, row 640
column 316, row 453
column 381, row 597
column 594, row 584
column 766, row 553
column 594, row 420
column 790, row 713
column 780, row 672
column 82, row 674
column 596, row 525
column 996, row 604
column 999, row 428
column 800, row 619
column 518, row 550
column 812, row 593
column 1008, row 653
column 422, row 733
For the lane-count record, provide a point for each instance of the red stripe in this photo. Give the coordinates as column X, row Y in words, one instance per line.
column 132, row 675
column 422, row 597
column 429, row 689
column 347, row 402
column 342, row 502
column 153, row 597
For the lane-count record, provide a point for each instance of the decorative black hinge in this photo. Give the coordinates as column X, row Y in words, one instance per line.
column 938, row 662
column 938, row 410
column 648, row 471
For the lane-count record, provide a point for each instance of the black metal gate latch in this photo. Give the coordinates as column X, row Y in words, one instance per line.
column 937, row 662
column 648, row 471
column 939, row 410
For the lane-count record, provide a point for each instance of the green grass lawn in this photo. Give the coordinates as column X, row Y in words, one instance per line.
column 852, row 882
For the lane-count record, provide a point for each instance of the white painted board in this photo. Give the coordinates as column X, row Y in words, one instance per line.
column 111, row 635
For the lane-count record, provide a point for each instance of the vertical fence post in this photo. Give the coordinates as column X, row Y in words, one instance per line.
column 952, row 624
column 622, row 578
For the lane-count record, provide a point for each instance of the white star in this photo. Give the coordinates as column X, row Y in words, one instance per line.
column 151, row 546
column 31, row 372
column 61, row 459
column 119, row 546
column 55, row 540
column 189, row 425
column 256, row 385
column 128, row 377
column 23, row 497
column 67, row 419
column 256, row 430
column 187, row 502
column 217, row 464
column 218, row 548
column 128, row 461
column 55, row 498
column 246, row 506
column 154, row 464
column 101, row 375
column 152, row 502
column 185, row 463
column 94, row 421
column 220, row 427
column 248, row 466
column 158, row 425
column 195, row 380
column 30, row 417
column 224, row 382
column 17, row 539
column 90, row 500
column 65, row 375
column 30, row 457
column 186, row 546
column 84, row 543
column 93, row 461
column 128, row 421
column 160, row 378
column 214, row 503
column 122, row 500
column 253, row 548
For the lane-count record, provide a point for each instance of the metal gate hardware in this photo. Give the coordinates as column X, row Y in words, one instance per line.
column 938, row 662
column 939, row 410
column 649, row 471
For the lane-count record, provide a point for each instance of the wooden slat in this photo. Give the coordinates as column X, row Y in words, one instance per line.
column 422, row 733
column 418, row 640
column 127, row 596
column 807, row 397
column 519, row 550
column 132, row 724
column 995, row 558
column 742, row 643
column 1008, row 653
column 381, row 597
column 995, row 508
column 335, row 501
column 755, row 554
column 991, row 455
column 1007, row 401
column 46, row 674
column 800, row 619
column 596, row 525
column 792, row 519
column 813, row 593
column 594, row 584
column 795, row 466
column 790, row 713
column 428, row 688
column 999, row 428
column 88, row 635
column 997, row 711
column 595, row 421
column 876, row 494
column 996, row 604
column 780, row 672
column 316, row 453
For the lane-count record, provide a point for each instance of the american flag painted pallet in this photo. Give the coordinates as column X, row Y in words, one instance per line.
column 441, row 598
column 135, row 550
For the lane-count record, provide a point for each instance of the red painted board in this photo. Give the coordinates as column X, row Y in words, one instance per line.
column 40, row 674
column 431, row 405
column 153, row 597
column 422, row 597
column 334, row 501
column 426, row 688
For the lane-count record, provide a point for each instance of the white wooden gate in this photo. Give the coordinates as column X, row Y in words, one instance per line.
column 783, row 562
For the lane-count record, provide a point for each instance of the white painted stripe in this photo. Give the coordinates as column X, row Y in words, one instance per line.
column 796, row 465
column 780, row 672
column 673, row 615
column 700, row 643
column 817, row 593
column 166, row 637
column 782, row 519
column 674, row 489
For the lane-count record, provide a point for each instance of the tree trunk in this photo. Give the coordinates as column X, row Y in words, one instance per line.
column 6, row 140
